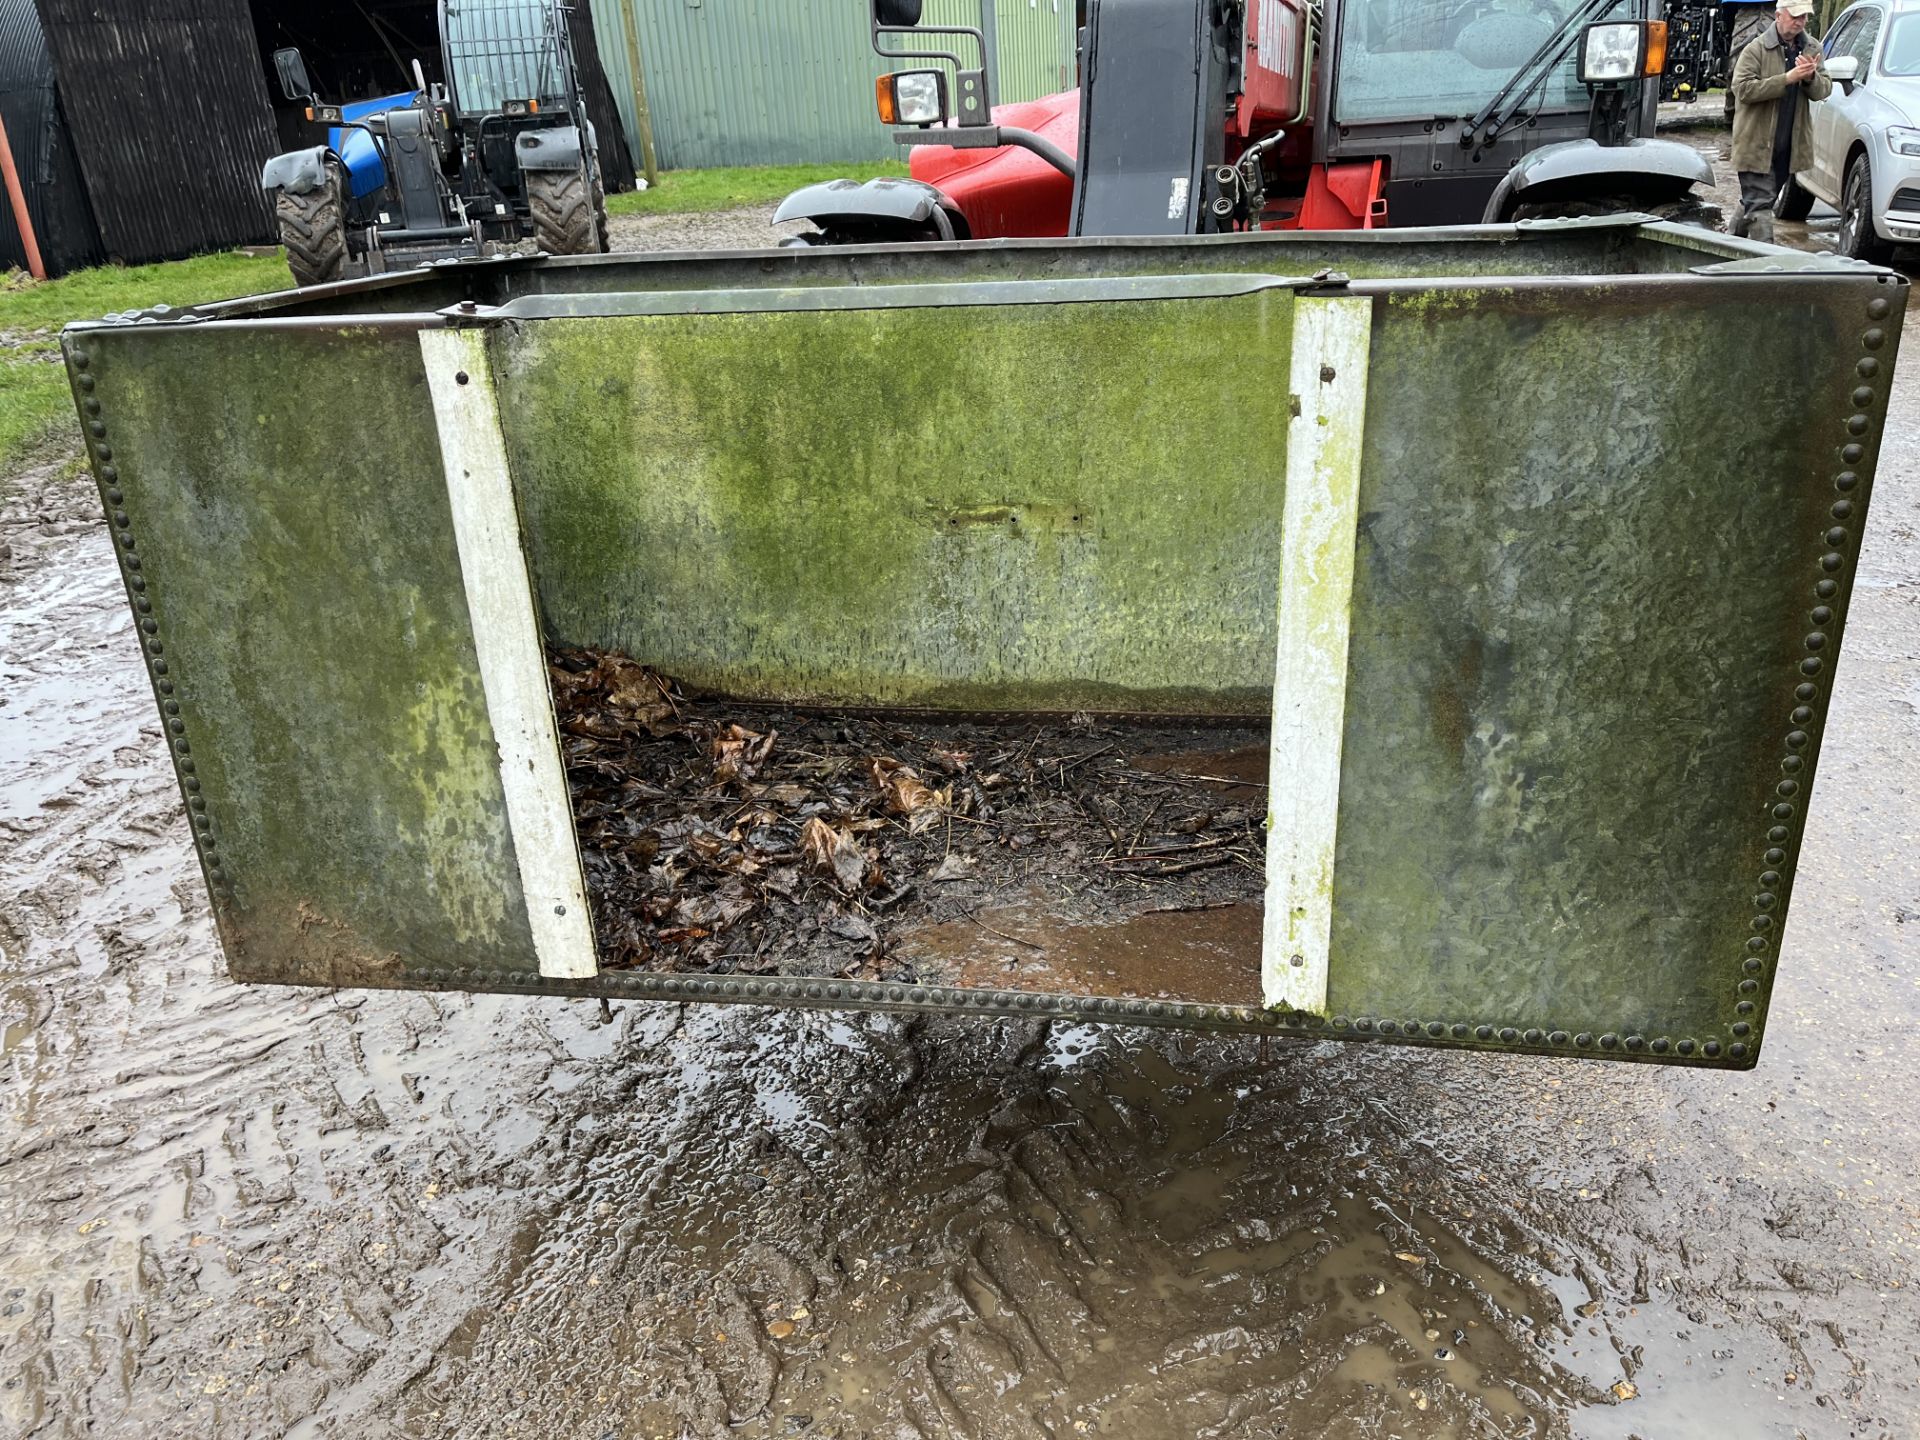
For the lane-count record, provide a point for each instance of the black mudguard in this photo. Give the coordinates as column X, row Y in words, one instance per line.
column 1651, row 170
column 881, row 210
column 297, row 172
column 557, row 147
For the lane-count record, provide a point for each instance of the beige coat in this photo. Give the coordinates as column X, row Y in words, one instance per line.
column 1759, row 85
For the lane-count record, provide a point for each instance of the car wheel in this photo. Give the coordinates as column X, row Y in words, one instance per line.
column 1794, row 202
column 1856, row 236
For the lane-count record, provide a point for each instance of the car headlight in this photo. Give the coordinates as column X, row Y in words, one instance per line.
column 1609, row 53
column 1903, row 141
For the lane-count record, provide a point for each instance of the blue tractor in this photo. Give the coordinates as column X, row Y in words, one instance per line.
column 1704, row 38
column 497, row 155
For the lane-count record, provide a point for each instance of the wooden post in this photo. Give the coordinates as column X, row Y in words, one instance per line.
column 18, row 197
column 642, row 117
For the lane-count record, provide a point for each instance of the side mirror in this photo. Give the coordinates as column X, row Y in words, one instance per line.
column 1844, row 71
column 896, row 12
column 294, row 83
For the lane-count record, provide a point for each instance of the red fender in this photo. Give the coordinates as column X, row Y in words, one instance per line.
column 1009, row 191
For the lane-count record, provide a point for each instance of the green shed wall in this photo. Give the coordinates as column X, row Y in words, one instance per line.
column 790, row 82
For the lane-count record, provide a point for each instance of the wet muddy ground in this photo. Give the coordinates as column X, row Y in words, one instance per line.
column 246, row 1212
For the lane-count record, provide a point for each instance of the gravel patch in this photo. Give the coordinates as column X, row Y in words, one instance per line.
column 748, row 228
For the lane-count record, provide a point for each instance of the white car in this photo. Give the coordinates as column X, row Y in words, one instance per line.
column 1866, row 134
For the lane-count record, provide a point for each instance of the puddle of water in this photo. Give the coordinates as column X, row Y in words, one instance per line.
column 1239, row 774
column 1206, row 955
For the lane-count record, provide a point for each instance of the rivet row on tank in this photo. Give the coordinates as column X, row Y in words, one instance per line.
column 150, row 631
column 1798, row 739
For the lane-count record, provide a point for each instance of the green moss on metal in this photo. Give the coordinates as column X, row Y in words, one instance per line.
column 1577, row 619
column 1048, row 507
column 285, row 494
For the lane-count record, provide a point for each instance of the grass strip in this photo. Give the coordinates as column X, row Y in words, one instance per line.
column 733, row 187
column 34, row 399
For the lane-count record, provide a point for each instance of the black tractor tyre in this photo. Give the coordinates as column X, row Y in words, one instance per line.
column 1794, row 202
column 313, row 228
column 1688, row 209
column 602, row 229
column 560, row 203
column 1856, row 236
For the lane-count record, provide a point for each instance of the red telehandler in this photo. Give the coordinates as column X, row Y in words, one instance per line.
column 1209, row 116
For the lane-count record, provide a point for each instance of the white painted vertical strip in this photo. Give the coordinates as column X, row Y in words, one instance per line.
column 506, row 634
column 1329, row 385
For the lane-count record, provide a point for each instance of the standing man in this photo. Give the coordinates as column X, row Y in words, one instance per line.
column 1776, row 80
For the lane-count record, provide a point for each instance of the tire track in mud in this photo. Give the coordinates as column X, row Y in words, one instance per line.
column 1047, row 1232
column 213, row 1193
column 243, row 1211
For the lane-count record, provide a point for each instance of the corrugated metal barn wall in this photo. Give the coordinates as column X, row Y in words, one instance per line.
column 783, row 82
column 42, row 151
column 168, row 108
column 1034, row 39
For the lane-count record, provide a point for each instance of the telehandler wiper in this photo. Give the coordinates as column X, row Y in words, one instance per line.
column 1499, row 112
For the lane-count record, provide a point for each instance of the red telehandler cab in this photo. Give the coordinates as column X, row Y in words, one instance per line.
column 1207, row 116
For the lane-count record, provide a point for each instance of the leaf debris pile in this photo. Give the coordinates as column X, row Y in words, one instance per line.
column 725, row 839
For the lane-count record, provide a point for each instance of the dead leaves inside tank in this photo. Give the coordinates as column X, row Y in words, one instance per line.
column 725, row 838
